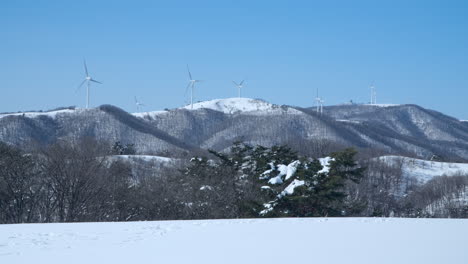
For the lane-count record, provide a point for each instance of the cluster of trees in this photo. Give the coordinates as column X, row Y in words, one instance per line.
column 61, row 183
column 385, row 192
column 444, row 196
column 65, row 182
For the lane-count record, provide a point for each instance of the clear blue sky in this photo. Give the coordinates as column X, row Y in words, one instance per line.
column 413, row 52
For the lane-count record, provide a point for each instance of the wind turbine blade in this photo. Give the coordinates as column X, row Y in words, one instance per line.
column 235, row 83
column 95, row 81
column 85, row 68
column 79, row 86
column 240, row 84
column 190, row 75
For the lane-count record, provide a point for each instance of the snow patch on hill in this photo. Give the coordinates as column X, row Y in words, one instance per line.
column 151, row 114
column 382, row 105
column 242, row 105
column 145, row 158
column 280, row 240
column 424, row 170
column 348, row 121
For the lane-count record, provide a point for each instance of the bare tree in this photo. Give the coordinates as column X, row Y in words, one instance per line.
column 20, row 186
column 75, row 176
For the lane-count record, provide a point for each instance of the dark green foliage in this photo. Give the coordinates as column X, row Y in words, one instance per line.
column 120, row 149
column 323, row 193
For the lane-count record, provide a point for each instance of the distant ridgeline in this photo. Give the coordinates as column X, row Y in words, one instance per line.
column 407, row 130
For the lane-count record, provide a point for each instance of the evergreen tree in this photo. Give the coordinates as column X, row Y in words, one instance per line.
column 321, row 192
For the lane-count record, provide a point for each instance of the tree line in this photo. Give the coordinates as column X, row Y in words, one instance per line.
column 64, row 182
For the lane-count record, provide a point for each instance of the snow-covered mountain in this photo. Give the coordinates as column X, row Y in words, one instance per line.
column 215, row 124
column 229, row 106
column 242, row 105
column 287, row 240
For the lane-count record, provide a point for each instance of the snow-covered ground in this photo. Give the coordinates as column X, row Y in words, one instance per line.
column 299, row 240
column 425, row 170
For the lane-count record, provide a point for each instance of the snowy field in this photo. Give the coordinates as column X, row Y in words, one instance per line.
column 425, row 170
column 306, row 240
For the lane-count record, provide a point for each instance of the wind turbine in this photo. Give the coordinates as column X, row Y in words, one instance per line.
column 88, row 79
column 191, row 85
column 239, row 87
column 373, row 95
column 138, row 104
column 319, row 103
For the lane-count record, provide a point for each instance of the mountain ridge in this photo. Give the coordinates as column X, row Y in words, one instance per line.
column 216, row 124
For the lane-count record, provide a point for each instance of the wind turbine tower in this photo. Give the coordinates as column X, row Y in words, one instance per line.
column 88, row 79
column 191, row 85
column 239, row 87
column 138, row 104
column 373, row 95
column 319, row 103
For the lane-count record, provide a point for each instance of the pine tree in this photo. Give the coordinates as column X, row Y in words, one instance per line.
column 323, row 192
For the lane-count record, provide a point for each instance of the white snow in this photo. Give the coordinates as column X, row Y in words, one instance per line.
column 424, row 170
column 268, row 208
column 151, row 114
column 276, row 180
column 281, row 240
column 348, row 121
column 284, row 170
column 382, row 105
column 206, row 187
column 291, row 169
column 290, row 189
column 241, row 105
column 325, row 162
column 266, row 173
column 145, row 158
column 51, row 114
